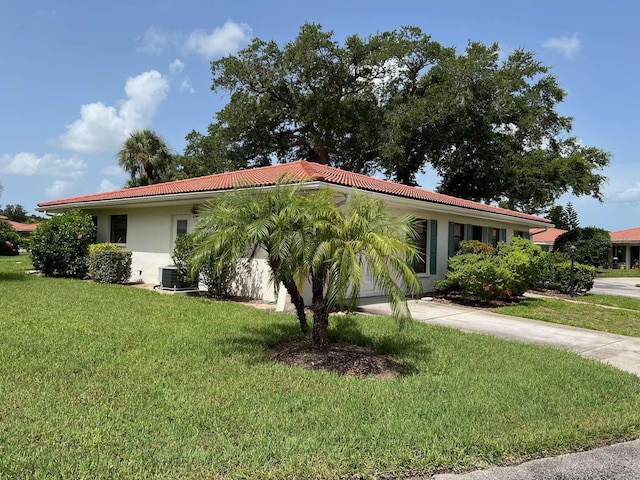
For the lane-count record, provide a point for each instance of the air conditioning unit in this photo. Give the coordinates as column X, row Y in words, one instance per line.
column 169, row 279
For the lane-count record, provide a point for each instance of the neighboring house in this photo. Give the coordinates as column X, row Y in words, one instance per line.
column 545, row 238
column 147, row 220
column 23, row 229
column 626, row 247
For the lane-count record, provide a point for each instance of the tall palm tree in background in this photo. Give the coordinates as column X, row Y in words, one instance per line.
column 146, row 157
column 308, row 239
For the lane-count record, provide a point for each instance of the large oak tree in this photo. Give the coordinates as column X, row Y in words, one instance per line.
column 400, row 103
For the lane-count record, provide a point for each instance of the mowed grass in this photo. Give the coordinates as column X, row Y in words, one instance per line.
column 100, row 381
column 588, row 311
column 618, row 273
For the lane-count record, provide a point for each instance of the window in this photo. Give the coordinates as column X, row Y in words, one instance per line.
column 420, row 264
column 494, row 237
column 118, row 229
column 521, row 234
column 458, row 235
column 476, row 233
column 181, row 227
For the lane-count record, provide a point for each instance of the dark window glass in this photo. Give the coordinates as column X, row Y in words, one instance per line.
column 458, row 234
column 476, row 233
column 181, row 228
column 495, row 236
column 420, row 264
column 118, row 229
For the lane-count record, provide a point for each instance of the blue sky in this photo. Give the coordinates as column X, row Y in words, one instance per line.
column 77, row 76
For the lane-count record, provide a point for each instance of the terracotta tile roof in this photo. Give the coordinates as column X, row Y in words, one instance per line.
column 631, row 235
column 545, row 236
column 297, row 171
column 24, row 227
column 2, row 217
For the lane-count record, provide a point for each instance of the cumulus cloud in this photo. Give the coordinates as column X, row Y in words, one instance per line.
column 102, row 128
column 107, row 186
column 59, row 188
column 176, row 67
column 29, row 164
column 567, row 46
column 113, row 171
column 186, row 86
column 628, row 195
column 154, row 41
column 220, row 41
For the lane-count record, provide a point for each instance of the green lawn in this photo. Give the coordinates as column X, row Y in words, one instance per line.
column 588, row 311
column 100, row 381
column 618, row 273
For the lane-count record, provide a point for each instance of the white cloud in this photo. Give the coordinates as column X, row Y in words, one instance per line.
column 113, row 171
column 102, row 128
column 107, row 186
column 221, row 41
column 29, row 164
column 186, row 86
column 567, row 46
column 176, row 67
column 59, row 188
column 628, row 195
column 153, row 41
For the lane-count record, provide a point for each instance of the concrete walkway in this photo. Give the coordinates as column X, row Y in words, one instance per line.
column 614, row 462
column 617, row 350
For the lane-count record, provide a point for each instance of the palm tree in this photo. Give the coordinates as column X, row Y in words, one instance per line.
column 146, row 157
column 309, row 239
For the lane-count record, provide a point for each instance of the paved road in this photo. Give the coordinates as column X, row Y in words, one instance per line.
column 625, row 287
column 615, row 462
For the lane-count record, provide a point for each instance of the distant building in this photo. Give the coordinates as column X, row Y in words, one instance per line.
column 626, row 247
column 545, row 238
column 23, row 229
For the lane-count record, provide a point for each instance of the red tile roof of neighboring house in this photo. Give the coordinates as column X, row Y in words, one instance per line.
column 297, row 171
column 628, row 235
column 2, row 217
column 545, row 236
column 23, row 227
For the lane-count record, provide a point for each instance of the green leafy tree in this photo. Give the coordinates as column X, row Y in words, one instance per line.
column 60, row 245
column 15, row 213
column 593, row 245
column 9, row 239
column 147, row 158
column 401, row 103
column 309, row 239
column 572, row 217
column 565, row 218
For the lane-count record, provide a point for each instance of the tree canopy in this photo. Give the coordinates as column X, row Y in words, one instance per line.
column 565, row 218
column 593, row 245
column 400, row 103
column 147, row 158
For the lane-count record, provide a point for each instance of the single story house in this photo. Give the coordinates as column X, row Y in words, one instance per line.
column 23, row 229
column 545, row 238
column 626, row 247
column 147, row 220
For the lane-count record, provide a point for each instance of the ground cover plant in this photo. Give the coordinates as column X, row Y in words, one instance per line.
column 100, row 380
column 590, row 311
column 616, row 273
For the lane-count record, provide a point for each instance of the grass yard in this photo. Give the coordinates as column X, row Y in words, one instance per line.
column 618, row 273
column 588, row 311
column 102, row 381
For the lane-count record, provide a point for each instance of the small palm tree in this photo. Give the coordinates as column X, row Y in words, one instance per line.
column 145, row 156
column 309, row 240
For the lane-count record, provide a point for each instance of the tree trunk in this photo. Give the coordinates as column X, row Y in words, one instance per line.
column 320, row 333
column 298, row 302
column 323, row 155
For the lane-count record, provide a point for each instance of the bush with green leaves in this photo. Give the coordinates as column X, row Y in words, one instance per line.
column 219, row 282
column 554, row 273
column 477, row 247
column 108, row 263
column 593, row 245
column 507, row 272
column 60, row 245
column 9, row 239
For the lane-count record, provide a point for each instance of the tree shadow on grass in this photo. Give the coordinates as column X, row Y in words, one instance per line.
column 13, row 277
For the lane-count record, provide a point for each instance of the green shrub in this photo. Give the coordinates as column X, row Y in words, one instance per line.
column 109, row 263
column 508, row 271
column 9, row 239
column 555, row 274
column 476, row 247
column 219, row 283
column 593, row 245
column 60, row 245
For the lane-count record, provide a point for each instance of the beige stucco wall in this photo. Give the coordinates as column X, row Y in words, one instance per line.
column 150, row 237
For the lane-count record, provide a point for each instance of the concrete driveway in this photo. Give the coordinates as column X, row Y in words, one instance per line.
column 617, row 350
column 614, row 462
column 625, row 287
